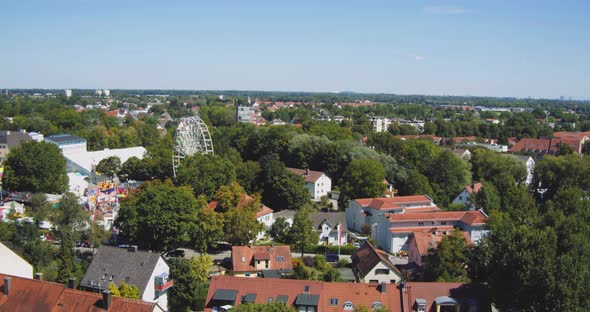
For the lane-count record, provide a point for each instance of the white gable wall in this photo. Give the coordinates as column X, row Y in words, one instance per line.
column 13, row 264
column 150, row 291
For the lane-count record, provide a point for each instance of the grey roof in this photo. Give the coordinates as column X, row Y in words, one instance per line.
column 13, row 138
column 332, row 218
column 249, row 298
column 283, row 299
column 287, row 214
column 445, row 300
column 421, row 301
column 307, row 300
column 120, row 264
column 225, row 295
column 524, row 158
column 61, row 138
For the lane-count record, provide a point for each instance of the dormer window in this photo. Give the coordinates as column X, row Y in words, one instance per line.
column 420, row 305
column 348, row 306
column 243, row 259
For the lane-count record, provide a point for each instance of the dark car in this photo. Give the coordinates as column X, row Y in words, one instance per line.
column 332, row 258
column 178, row 253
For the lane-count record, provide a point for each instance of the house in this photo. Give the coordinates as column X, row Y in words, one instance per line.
column 264, row 215
column 317, row 183
column 23, row 294
column 549, row 146
column 462, row 153
column 331, row 227
column 422, row 242
column 287, row 214
column 10, row 140
column 435, row 139
column 363, row 213
column 394, row 230
column 529, row 162
column 372, row 265
column 380, row 124
column 227, row 292
column 146, row 270
column 13, row 264
column 465, row 196
column 252, row 261
column 277, row 122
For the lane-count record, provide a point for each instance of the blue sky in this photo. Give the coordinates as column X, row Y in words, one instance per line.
column 496, row 47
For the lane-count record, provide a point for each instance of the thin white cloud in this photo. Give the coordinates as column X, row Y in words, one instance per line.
column 419, row 58
column 446, row 10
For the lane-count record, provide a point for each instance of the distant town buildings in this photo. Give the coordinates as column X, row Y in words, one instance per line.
column 68, row 92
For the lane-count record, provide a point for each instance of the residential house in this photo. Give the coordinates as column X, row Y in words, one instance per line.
column 549, row 146
column 380, row 124
column 13, row 264
column 317, row 183
column 264, row 215
column 146, row 270
column 227, row 292
column 287, row 214
column 331, row 227
column 253, row 261
column 23, row 294
column 435, row 139
column 421, row 243
column 364, row 213
column 529, row 162
column 372, row 265
column 464, row 198
column 10, row 140
column 394, row 230
column 462, row 153
column 277, row 122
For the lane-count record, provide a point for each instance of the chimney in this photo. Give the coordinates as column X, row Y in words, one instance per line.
column 106, row 299
column 383, row 287
column 7, row 285
column 39, row 276
column 72, row 283
column 307, row 172
column 133, row 248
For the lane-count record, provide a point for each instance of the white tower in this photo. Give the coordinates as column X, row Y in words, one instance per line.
column 68, row 92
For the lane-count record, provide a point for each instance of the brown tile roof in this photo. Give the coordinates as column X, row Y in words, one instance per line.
column 357, row 293
column 474, row 187
column 422, row 202
column 264, row 210
column 259, row 253
column 367, row 257
column 430, row 239
column 419, row 229
column 467, row 217
column 310, row 176
column 430, row 291
column 35, row 295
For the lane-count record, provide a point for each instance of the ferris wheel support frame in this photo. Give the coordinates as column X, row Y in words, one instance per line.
column 191, row 137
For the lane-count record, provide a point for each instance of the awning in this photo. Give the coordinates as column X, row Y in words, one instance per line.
column 225, row 295
column 445, row 300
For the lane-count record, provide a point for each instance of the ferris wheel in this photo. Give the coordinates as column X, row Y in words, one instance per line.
column 191, row 137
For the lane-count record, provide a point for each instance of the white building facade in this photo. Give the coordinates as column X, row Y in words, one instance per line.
column 13, row 264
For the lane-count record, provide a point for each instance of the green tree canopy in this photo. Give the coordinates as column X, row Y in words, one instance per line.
column 281, row 188
column 363, row 178
column 449, row 260
column 205, row 173
column 302, row 234
column 109, row 166
column 37, row 167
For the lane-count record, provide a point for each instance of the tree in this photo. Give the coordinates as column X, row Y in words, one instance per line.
column 281, row 188
column 264, row 307
column 240, row 224
column 302, row 234
column 205, row 173
column 362, row 178
column 200, row 266
column 109, row 166
column 38, row 208
column 448, row 175
column 279, row 230
column 181, row 297
column 37, row 167
column 158, row 216
column 124, row 290
column 135, row 169
column 487, row 198
column 247, row 174
column 448, row 262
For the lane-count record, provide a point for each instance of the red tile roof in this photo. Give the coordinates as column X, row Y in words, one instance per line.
column 430, row 239
column 422, row 202
column 264, row 210
column 418, row 229
column 367, row 257
column 467, row 217
column 474, row 187
column 36, row 295
column 310, row 176
column 426, row 291
column 248, row 254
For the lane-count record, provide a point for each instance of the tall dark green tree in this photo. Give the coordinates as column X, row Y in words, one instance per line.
column 109, row 166
column 363, row 178
column 205, row 173
column 302, row 234
column 449, row 260
column 37, row 167
column 281, row 188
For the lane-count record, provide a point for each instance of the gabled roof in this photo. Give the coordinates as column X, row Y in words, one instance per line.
column 279, row 257
column 135, row 268
column 332, row 218
column 425, row 240
column 467, row 217
column 310, row 176
column 37, row 295
column 398, row 202
column 429, row 292
column 473, row 187
column 367, row 257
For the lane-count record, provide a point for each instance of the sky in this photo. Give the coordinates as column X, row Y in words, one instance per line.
column 513, row 48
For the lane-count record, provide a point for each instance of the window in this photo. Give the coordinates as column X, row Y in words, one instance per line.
column 420, row 223
column 392, row 281
column 306, row 289
column 382, row 272
column 348, row 306
column 421, row 309
column 247, row 274
column 376, row 305
column 243, row 259
column 443, row 223
column 269, row 299
column 333, row 301
column 374, row 281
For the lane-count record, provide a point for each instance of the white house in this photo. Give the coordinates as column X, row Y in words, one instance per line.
column 380, row 124
column 331, row 227
column 316, row 182
column 465, row 196
column 371, row 265
column 364, row 213
column 146, row 270
column 529, row 162
column 13, row 264
column 393, row 231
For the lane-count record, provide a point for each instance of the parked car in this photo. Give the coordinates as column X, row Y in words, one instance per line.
column 178, row 253
column 332, row 258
